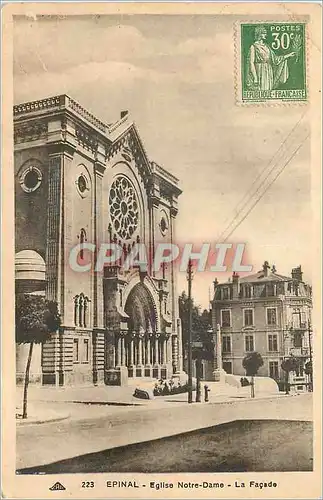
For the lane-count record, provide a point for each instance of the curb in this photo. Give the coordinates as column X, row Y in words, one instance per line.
column 22, row 423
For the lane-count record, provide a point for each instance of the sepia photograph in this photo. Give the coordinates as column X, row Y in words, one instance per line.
column 165, row 263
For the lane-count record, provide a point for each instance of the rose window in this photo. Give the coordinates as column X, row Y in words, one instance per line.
column 123, row 208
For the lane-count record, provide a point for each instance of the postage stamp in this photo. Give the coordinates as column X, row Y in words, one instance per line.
column 273, row 62
column 161, row 255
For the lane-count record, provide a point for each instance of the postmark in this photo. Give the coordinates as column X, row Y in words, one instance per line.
column 272, row 62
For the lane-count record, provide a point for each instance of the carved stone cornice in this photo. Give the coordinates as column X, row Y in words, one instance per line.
column 61, row 148
column 99, row 168
column 57, row 104
column 87, row 139
column 30, row 131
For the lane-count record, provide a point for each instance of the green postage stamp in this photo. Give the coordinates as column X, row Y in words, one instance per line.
column 272, row 62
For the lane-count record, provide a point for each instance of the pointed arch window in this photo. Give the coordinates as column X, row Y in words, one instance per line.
column 81, row 310
column 82, row 241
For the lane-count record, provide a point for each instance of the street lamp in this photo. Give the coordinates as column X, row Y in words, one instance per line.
column 189, row 367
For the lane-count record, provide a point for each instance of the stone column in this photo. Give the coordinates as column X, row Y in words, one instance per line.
column 156, row 351
column 139, row 368
column 168, row 355
column 219, row 373
column 140, row 350
column 162, row 350
column 123, row 351
column 98, row 319
column 148, row 360
column 135, row 351
column 156, row 367
column 218, row 348
column 118, row 351
column 130, row 351
column 53, row 357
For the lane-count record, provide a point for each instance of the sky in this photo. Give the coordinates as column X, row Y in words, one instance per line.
column 176, row 77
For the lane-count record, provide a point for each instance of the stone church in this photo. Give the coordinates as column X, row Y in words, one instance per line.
column 80, row 180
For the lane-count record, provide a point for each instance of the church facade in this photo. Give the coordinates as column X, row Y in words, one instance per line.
column 79, row 180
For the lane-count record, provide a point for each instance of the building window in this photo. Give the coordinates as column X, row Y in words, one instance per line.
column 299, row 319
column 249, row 343
column 86, row 352
column 274, row 369
column 248, row 317
column 124, row 208
column 227, row 366
column 297, row 340
column 81, row 310
column 76, row 354
column 247, row 291
column 226, row 343
column 270, row 290
column 225, row 317
column 30, row 179
column 225, row 293
column 271, row 316
column 273, row 342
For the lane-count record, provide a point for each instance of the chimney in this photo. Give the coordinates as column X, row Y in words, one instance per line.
column 235, row 278
column 235, row 285
column 297, row 273
column 123, row 113
column 215, row 283
column 265, row 268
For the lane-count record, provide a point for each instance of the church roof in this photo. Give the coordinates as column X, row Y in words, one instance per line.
column 110, row 133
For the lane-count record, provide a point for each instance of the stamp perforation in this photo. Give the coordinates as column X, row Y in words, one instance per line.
column 237, row 63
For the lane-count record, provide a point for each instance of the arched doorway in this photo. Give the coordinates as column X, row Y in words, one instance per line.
column 141, row 310
column 146, row 351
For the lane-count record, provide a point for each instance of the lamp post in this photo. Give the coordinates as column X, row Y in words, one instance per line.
column 189, row 367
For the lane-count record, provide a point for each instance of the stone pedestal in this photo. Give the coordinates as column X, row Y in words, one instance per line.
column 147, row 371
column 117, row 376
column 139, row 370
column 219, row 376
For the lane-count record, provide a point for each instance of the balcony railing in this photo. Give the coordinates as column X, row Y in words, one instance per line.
column 299, row 351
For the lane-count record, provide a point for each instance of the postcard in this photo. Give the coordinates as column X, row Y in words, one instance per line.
column 161, row 250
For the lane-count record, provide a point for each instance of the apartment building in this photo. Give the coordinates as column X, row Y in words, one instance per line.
column 264, row 312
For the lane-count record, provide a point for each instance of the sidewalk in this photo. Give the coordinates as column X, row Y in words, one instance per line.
column 40, row 415
column 50, row 404
column 123, row 396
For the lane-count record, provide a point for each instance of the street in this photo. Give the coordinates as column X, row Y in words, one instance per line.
column 112, row 427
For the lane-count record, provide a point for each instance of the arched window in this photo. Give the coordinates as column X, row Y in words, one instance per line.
column 82, row 241
column 81, row 310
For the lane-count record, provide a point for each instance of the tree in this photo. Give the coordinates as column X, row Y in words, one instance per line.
column 201, row 322
column 36, row 319
column 251, row 363
column 290, row 364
